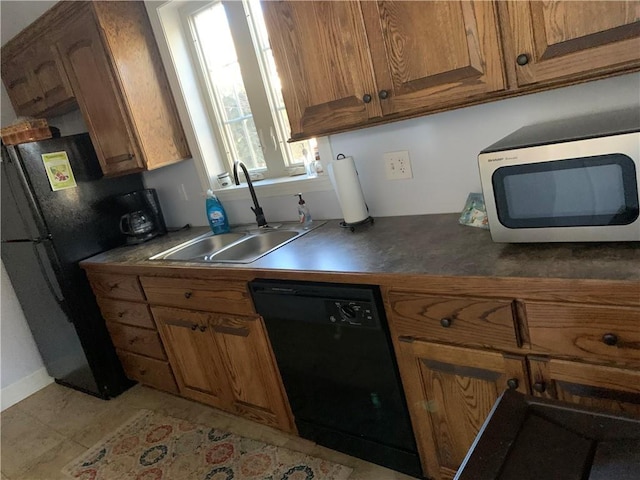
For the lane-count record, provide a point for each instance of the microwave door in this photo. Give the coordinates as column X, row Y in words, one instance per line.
column 584, row 192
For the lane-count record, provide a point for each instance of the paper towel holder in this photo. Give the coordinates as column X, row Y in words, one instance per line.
column 352, row 226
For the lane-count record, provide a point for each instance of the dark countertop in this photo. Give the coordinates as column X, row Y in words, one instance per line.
column 418, row 244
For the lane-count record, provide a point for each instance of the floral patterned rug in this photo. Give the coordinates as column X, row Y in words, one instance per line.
column 155, row 447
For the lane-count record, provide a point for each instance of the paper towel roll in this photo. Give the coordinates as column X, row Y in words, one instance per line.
column 345, row 181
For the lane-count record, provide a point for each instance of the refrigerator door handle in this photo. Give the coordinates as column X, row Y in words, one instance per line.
column 41, row 225
column 51, row 283
column 28, row 240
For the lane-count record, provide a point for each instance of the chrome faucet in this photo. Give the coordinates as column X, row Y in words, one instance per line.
column 262, row 222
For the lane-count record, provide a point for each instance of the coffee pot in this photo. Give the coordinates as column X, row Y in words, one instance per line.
column 137, row 224
column 143, row 220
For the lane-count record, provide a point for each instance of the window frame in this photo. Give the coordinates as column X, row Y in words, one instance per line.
column 274, row 148
column 176, row 55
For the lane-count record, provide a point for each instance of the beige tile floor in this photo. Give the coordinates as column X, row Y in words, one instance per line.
column 44, row 432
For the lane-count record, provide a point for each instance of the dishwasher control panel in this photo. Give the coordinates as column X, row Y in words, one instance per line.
column 349, row 312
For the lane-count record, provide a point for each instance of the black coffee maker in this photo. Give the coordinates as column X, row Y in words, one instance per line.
column 143, row 218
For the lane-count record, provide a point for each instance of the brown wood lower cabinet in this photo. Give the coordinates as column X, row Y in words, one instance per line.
column 226, row 361
column 193, row 355
column 450, row 391
column 608, row 388
column 456, row 353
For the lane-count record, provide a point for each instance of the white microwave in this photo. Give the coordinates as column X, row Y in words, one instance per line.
column 573, row 180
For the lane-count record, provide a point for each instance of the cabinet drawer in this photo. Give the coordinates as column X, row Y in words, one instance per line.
column 112, row 285
column 211, row 295
column 470, row 321
column 148, row 371
column 130, row 313
column 136, row 340
column 585, row 331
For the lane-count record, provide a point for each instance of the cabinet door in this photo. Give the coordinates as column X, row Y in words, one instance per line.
column 193, row 355
column 246, row 355
column 320, row 49
column 24, row 92
column 49, row 73
column 102, row 106
column 607, row 388
column 431, row 55
column 450, row 391
column 558, row 39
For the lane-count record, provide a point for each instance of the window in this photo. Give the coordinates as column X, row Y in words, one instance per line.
column 238, row 72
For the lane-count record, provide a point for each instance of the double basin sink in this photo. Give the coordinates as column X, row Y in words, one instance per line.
column 241, row 245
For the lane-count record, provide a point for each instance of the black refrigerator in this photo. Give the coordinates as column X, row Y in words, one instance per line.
column 49, row 224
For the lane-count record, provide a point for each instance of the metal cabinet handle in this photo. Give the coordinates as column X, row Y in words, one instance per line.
column 540, row 387
column 513, row 383
column 446, row 322
column 522, row 59
column 366, row 98
column 194, row 327
column 112, row 286
column 203, row 328
column 120, row 314
column 188, row 294
column 610, row 339
column 382, row 94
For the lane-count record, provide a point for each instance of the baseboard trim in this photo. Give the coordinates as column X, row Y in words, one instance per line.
column 17, row 391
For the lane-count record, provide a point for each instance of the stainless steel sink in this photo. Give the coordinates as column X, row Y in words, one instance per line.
column 200, row 247
column 242, row 245
column 254, row 246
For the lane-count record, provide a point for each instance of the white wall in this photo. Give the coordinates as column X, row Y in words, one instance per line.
column 443, row 149
column 23, row 372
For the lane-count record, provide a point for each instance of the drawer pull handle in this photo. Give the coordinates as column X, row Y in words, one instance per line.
column 522, row 59
column 383, row 94
column 203, row 328
column 366, row 98
column 513, row 383
column 610, row 339
column 112, row 286
column 120, row 314
column 194, row 327
column 540, row 387
column 446, row 322
column 187, row 294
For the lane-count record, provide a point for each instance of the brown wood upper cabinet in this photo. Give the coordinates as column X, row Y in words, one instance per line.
column 35, row 79
column 558, row 41
column 347, row 64
column 114, row 67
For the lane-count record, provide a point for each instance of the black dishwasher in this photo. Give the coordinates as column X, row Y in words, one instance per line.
column 334, row 352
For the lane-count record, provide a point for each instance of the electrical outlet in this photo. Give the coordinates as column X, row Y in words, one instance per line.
column 397, row 165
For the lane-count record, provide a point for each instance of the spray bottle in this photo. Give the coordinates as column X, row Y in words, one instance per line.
column 303, row 211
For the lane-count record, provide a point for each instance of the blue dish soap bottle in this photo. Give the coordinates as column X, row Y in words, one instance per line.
column 216, row 215
column 303, row 212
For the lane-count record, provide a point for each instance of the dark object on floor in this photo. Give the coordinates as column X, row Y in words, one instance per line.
column 527, row 438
